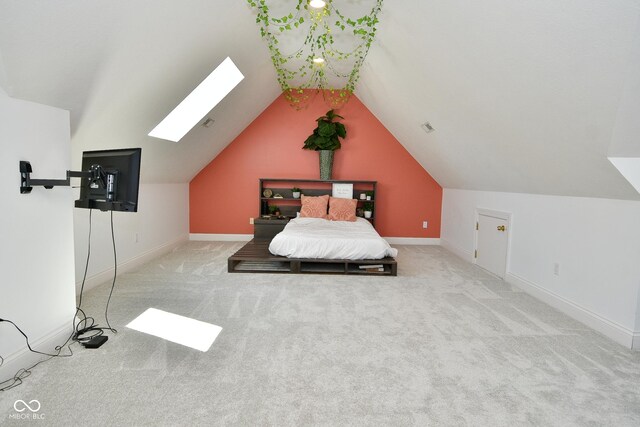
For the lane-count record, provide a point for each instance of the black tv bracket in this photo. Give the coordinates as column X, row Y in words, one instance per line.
column 27, row 183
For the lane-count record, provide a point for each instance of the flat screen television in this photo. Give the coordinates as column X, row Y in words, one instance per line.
column 113, row 180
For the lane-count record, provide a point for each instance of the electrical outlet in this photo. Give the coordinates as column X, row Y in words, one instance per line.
column 556, row 269
column 251, row 220
column 425, row 224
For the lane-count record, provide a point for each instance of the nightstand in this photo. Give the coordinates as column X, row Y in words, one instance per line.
column 266, row 229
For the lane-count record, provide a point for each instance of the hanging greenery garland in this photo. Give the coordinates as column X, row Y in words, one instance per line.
column 320, row 63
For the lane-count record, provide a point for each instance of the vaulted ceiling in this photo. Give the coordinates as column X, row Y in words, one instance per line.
column 525, row 96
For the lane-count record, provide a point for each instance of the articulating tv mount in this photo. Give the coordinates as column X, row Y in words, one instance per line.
column 96, row 174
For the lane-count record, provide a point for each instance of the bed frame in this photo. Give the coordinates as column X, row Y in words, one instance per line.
column 254, row 257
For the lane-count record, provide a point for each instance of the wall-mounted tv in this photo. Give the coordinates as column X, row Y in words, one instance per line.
column 113, row 182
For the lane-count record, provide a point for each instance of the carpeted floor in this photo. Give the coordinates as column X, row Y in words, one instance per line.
column 442, row 344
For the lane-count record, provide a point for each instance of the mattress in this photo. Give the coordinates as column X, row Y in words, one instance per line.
column 315, row 238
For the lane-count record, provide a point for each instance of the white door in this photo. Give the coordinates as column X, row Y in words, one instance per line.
column 491, row 247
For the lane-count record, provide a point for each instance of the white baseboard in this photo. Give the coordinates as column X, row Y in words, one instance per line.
column 203, row 237
column 465, row 255
column 246, row 237
column 608, row 328
column 130, row 264
column 412, row 241
column 24, row 358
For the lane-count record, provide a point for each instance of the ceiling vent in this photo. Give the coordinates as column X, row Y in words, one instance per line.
column 426, row 126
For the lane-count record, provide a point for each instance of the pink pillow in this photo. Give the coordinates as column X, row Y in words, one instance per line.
column 342, row 209
column 314, row 207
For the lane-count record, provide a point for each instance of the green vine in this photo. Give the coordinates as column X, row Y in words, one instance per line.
column 299, row 77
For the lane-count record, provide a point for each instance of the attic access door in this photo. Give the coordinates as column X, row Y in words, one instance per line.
column 492, row 241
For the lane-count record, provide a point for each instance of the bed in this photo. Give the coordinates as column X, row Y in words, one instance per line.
column 343, row 243
column 316, row 238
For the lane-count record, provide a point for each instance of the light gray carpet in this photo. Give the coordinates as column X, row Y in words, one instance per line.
column 442, row 344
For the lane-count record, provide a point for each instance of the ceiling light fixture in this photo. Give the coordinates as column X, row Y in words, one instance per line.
column 318, row 4
column 318, row 60
column 198, row 103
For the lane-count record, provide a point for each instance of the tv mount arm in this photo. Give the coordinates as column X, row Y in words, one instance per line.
column 96, row 174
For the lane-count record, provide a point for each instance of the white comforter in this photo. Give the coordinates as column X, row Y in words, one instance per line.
column 324, row 239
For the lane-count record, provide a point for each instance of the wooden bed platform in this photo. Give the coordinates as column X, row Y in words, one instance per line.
column 254, row 257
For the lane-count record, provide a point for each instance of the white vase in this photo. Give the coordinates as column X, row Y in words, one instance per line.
column 296, row 194
column 367, row 214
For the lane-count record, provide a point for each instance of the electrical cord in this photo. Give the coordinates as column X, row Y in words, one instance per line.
column 87, row 325
column 58, row 348
column 23, row 373
column 86, row 264
column 85, row 330
column 115, row 274
column 75, row 335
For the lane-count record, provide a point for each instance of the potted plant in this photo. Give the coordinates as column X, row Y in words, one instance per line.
column 368, row 209
column 296, row 192
column 273, row 209
column 369, row 195
column 325, row 139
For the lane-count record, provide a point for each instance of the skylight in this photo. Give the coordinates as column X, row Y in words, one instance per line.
column 629, row 167
column 199, row 102
column 175, row 328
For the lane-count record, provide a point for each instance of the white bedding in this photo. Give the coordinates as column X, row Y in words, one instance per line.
column 324, row 239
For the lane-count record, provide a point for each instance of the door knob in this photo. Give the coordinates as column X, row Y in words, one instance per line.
column 501, row 228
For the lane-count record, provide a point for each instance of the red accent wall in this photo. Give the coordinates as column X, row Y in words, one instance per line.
column 224, row 195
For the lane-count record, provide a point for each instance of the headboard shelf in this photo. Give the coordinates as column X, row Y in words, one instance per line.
column 309, row 187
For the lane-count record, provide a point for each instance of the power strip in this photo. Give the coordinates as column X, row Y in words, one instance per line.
column 96, row 342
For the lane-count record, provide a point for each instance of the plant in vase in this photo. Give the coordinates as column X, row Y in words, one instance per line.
column 273, row 209
column 296, row 192
column 325, row 139
column 368, row 209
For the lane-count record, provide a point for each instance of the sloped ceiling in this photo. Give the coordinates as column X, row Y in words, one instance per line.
column 121, row 66
column 524, row 95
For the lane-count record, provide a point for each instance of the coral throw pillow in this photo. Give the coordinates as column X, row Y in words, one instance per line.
column 314, row 207
column 342, row 209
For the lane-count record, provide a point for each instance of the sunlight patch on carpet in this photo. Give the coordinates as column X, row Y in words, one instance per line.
column 175, row 328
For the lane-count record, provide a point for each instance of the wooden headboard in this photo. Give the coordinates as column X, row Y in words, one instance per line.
column 309, row 187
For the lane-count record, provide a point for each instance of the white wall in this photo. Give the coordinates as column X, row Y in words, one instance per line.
column 624, row 150
column 161, row 223
column 36, row 232
column 595, row 241
column 636, row 337
column 38, row 282
column 3, row 77
column 625, row 137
